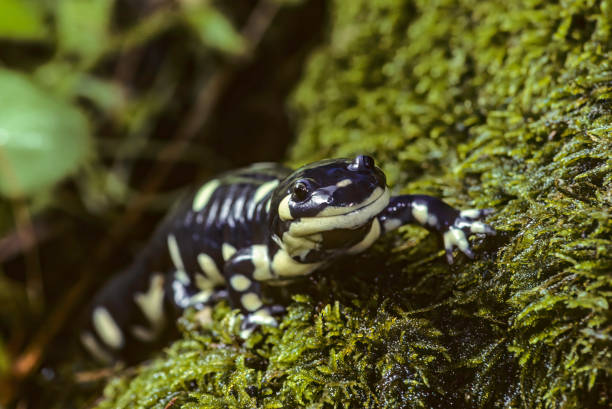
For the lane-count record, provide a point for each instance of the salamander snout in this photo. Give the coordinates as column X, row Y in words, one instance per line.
column 362, row 162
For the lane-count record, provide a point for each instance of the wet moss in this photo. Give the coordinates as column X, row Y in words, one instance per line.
column 487, row 105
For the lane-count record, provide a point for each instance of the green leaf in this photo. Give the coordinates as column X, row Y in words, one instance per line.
column 42, row 138
column 83, row 26
column 105, row 94
column 65, row 81
column 21, row 20
column 215, row 30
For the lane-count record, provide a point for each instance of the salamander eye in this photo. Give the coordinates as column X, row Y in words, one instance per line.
column 299, row 193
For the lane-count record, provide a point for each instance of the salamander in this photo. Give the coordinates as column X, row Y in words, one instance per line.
column 257, row 226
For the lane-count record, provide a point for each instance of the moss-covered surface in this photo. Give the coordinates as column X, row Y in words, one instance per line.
column 486, row 105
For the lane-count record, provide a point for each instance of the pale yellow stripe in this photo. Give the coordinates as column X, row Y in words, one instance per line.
column 264, row 189
column 175, row 253
column 107, row 328
column 227, row 250
column 204, row 194
column 209, row 267
column 151, row 303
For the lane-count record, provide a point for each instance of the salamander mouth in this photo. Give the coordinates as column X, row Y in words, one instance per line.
column 381, row 199
column 345, row 210
column 351, row 219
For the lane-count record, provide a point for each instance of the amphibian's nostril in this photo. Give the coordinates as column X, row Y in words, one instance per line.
column 366, row 161
column 362, row 162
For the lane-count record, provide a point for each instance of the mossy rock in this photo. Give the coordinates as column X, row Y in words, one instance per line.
column 482, row 103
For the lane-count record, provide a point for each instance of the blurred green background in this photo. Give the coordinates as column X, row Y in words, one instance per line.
column 108, row 108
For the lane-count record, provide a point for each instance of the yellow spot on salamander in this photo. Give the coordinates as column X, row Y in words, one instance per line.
column 420, row 213
column 261, row 261
column 344, row 182
column 264, row 189
column 204, row 194
column 151, row 303
column 251, row 301
column 175, row 253
column 240, row 282
column 392, row 224
column 227, row 250
column 209, row 267
column 107, row 328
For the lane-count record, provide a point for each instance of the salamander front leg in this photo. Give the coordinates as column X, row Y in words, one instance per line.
column 432, row 213
column 245, row 292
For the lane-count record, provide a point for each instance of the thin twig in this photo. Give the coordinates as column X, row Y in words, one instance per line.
column 25, row 233
column 171, row 403
column 16, row 243
column 207, row 98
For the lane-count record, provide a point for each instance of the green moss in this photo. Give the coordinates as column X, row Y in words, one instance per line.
column 487, row 105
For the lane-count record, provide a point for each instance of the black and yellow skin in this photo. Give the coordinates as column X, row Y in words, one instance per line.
column 257, row 226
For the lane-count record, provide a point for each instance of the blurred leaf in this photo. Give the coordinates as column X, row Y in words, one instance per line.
column 4, row 359
column 146, row 29
column 83, row 26
column 57, row 75
column 21, row 20
column 42, row 138
column 105, row 94
column 215, row 30
column 65, row 81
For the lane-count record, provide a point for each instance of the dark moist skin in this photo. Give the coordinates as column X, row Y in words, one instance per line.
column 261, row 224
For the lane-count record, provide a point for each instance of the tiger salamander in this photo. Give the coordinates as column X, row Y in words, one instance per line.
column 263, row 224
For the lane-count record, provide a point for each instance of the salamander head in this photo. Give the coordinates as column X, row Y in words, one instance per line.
column 330, row 204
